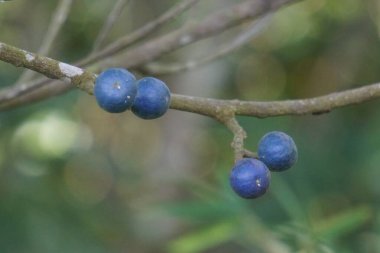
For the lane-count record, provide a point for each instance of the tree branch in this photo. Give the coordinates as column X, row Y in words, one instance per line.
column 205, row 106
column 245, row 36
column 225, row 111
column 49, row 67
column 108, row 24
column 58, row 19
column 138, row 56
column 139, row 34
column 316, row 105
column 214, row 24
column 215, row 108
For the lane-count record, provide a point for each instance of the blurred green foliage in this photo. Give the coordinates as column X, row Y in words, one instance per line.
column 76, row 179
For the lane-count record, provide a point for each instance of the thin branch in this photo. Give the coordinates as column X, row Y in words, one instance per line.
column 214, row 24
column 139, row 34
column 58, row 19
column 49, row 90
column 108, row 24
column 157, row 68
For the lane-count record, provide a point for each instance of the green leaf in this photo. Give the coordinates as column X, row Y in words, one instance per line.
column 343, row 223
column 204, row 239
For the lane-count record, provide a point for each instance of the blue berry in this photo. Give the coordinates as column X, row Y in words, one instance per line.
column 250, row 178
column 115, row 90
column 152, row 99
column 278, row 151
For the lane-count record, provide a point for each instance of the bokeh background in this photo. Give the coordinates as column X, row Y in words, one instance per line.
column 76, row 179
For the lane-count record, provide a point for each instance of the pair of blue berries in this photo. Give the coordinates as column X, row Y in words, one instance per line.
column 250, row 177
column 116, row 90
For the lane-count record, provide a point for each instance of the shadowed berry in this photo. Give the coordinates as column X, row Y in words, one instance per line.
column 152, row 99
column 278, row 151
column 250, row 178
column 115, row 90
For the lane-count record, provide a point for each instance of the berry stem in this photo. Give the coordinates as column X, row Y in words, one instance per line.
column 250, row 154
column 239, row 135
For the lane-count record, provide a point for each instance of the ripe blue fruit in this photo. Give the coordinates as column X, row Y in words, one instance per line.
column 152, row 99
column 250, row 178
column 115, row 90
column 278, row 151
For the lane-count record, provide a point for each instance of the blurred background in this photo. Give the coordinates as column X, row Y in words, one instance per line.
column 76, row 179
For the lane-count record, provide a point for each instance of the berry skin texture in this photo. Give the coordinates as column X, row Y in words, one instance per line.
column 115, row 90
column 250, row 178
column 278, row 151
column 152, row 99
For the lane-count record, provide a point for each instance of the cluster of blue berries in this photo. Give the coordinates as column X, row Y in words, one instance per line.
column 116, row 90
column 250, row 177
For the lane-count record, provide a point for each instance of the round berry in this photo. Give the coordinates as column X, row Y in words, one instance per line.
column 250, row 178
column 115, row 90
column 278, row 151
column 152, row 99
